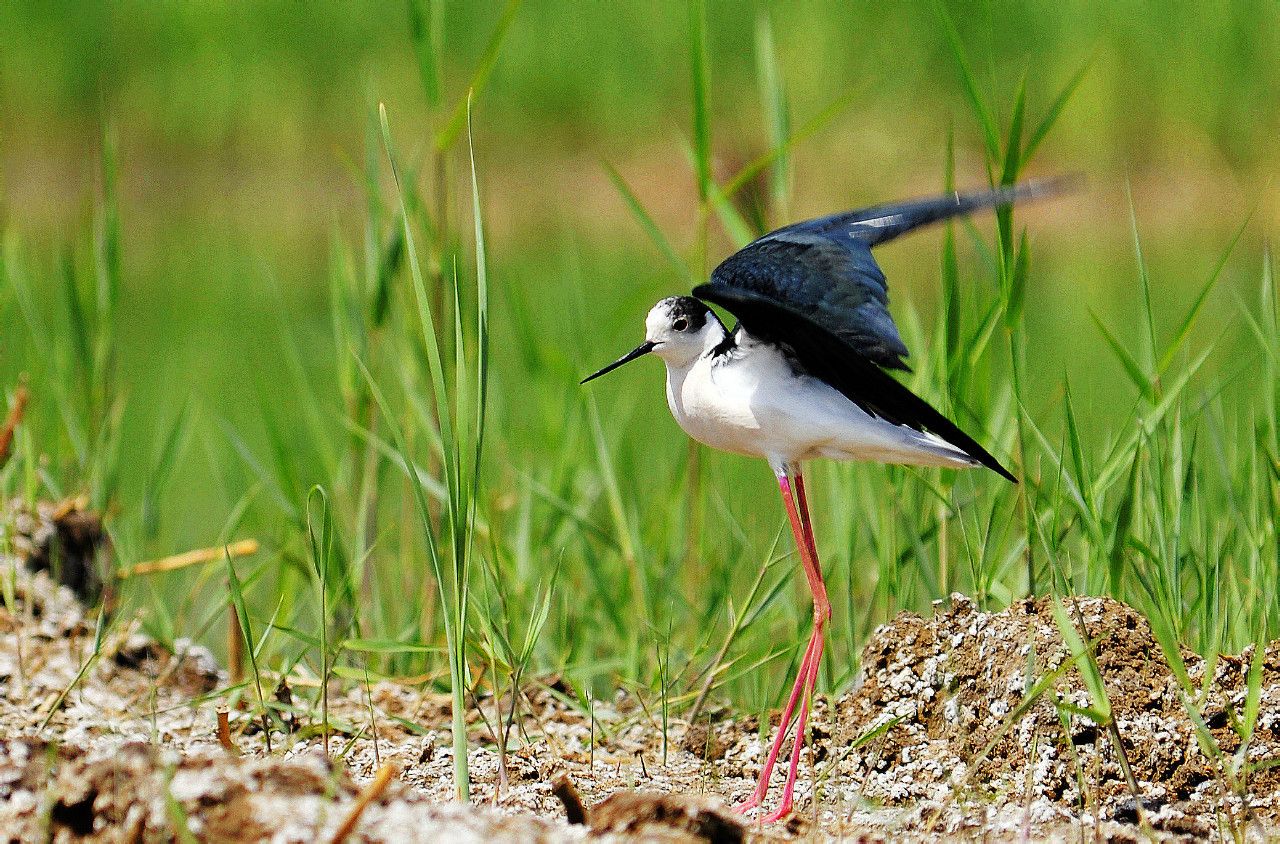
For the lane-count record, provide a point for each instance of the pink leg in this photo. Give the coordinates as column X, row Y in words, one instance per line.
column 784, row 808
column 808, row 675
column 762, row 788
column 802, row 500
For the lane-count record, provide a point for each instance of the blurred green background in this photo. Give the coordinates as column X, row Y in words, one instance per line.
column 242, row 131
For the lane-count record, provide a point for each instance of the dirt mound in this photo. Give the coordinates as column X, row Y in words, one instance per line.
column 954, row 689
column 64, row 538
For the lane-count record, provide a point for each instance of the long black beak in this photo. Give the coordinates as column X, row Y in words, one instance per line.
column 638, row 352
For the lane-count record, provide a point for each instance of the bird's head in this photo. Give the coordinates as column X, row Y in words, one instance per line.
column 678, row 330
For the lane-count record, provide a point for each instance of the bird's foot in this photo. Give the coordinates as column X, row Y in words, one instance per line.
column 754, row 802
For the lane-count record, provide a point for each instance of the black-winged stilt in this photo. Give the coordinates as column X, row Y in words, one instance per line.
column 804, row 375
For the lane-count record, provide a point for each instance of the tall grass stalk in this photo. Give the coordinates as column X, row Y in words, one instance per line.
column 703, row 181
column 460, row 414
column 321, row 547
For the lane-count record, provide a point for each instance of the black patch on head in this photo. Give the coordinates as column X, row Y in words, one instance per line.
column 688, row 308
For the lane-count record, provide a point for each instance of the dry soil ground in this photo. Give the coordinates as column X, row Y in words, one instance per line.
column 939, row 739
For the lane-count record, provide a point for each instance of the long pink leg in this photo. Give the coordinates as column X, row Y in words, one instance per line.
column 808, row 674
column 784, row 808
column 762, row 787
column 803, row 501
column 821, row 614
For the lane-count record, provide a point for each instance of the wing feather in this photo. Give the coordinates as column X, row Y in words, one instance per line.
column 825, row 269
column 828, row 357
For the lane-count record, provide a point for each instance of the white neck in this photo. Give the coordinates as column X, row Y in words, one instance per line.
column 678, row 368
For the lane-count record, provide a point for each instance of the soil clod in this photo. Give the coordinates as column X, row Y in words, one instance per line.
column 667, row 817
column 65, row 538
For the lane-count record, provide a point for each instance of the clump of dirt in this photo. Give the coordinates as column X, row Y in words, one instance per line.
column 122, row 744
column 65, row 538
column 51, row 674
column 666, row 817
column 141, row 793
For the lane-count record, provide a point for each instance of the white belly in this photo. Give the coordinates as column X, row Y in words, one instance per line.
column 755, row 404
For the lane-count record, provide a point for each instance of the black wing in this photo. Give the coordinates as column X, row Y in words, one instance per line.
column 824, row 267
column 829, row 358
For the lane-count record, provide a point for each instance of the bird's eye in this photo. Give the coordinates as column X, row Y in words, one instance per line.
column 680, row 324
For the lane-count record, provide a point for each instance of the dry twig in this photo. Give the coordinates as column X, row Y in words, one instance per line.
column 20, row 397
column 224, row 733
column 370, row 793
column 243, row 548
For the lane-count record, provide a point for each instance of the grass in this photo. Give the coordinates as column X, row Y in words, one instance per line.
column 483, row 520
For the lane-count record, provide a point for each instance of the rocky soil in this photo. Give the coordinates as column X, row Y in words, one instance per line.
column 940, row 739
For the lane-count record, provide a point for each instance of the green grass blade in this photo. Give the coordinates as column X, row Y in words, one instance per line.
column 773, row 102
column 1173, row 393
column 951, row 304
column 647, row 223
column 1017, row 293
column 1123, row 523
column 481, row 386
column 1076, row 489
column 425, row 27
column 1144, row 277
column 980, row 110
column 1055, row 111
column 427, row 524
column 240, row 608
column 1085, row 661
column 80, row 332
column 1253, row 694
column 735, row 226
column 1004, row 214
column 613, row 490
column 426, row 319
column 162, row 469
column 107, row 242
column 701, row 110
column 321, row 547
column 1131, row 366
column 1184, row 327
column 1078, row 466
column 1013, row 147
column 807, row 130
column 445, row 138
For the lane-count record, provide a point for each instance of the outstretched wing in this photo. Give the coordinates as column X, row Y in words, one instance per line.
column 824, row 268
column 831, row 359
column 815, row 288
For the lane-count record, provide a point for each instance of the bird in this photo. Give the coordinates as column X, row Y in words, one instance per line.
column 805, row 374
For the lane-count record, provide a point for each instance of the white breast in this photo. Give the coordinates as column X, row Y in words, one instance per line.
column 751, row 401
column 715, row 401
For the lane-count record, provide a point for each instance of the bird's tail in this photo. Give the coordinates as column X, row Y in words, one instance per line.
column 881, row 223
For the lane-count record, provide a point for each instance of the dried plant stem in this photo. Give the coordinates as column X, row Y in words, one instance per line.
column 371, row 792
column 243, row 548
column 11, row 422
column 224, row 733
